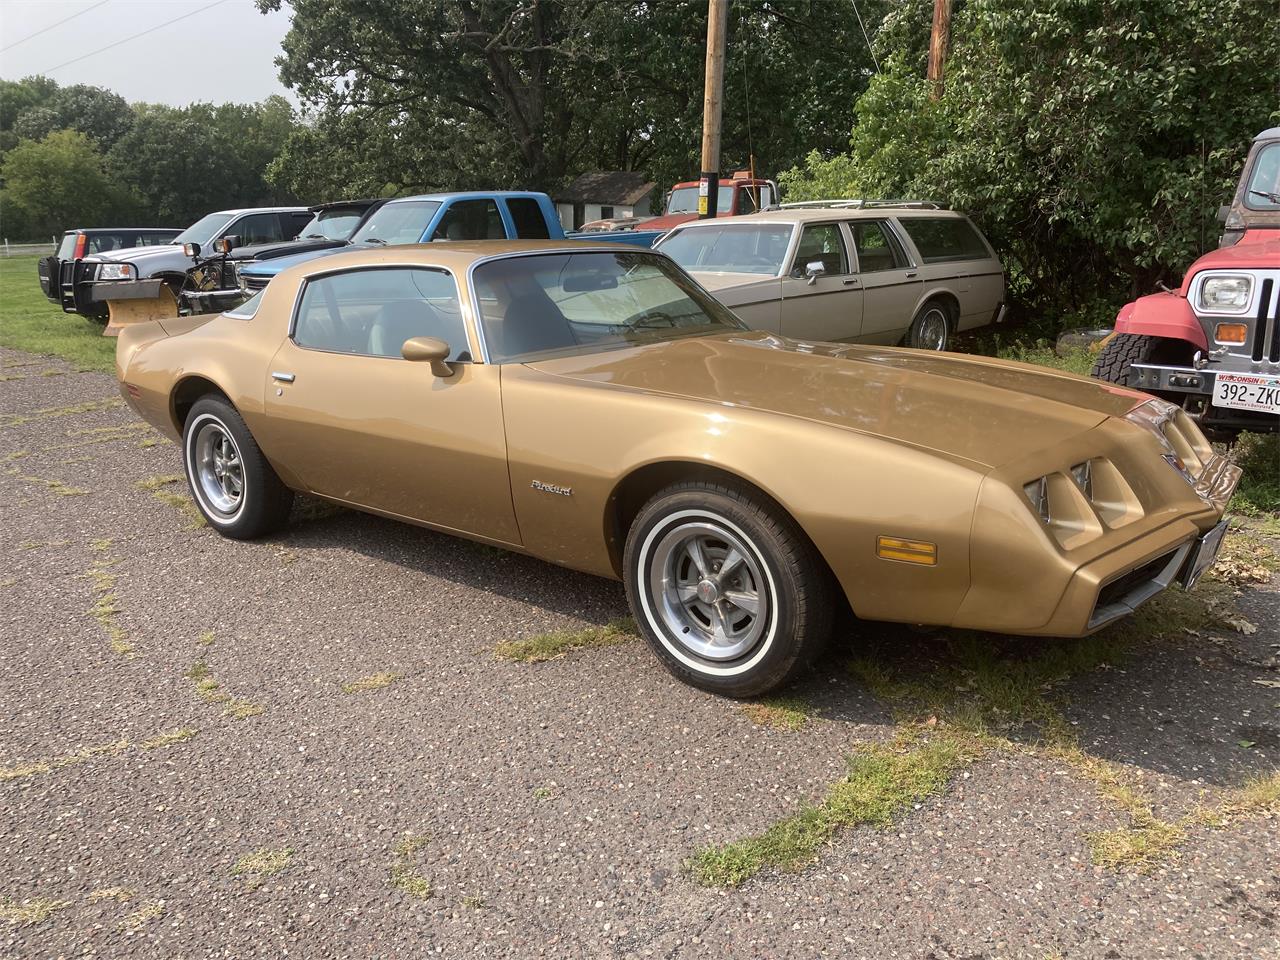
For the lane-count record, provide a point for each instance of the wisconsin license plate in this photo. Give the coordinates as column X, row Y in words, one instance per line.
column 1247, row 391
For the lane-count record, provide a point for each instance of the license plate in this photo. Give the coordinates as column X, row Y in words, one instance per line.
column 1203, row 555
column 1247, row 391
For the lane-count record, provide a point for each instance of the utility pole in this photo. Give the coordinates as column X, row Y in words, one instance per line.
column 712, row 102
column 939, row 40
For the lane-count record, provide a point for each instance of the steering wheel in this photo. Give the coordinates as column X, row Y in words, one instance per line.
column 652, row 319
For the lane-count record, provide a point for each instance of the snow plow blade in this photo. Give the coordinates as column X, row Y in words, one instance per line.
column 141, row 306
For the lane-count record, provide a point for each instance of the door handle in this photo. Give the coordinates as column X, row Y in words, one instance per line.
column 910, row 274
column 282, row 377
column 849, row 281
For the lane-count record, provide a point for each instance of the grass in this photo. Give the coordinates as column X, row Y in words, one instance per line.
column 375, row 681
column 116, row 894
column 261, row 864
column 882, row 782
column 106, row 609
column 30, row 322
column 403, row 875
column 32, row 768
column 1042, row 354
column 148, row 913
column 54, row 413
column 1258, row 456
column 30, row 912
column 553, row 646
column 57, row 487
column 209, row 689
column 779, row 713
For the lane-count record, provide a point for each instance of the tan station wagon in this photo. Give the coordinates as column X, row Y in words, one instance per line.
column 855, row 271
column 594, row 407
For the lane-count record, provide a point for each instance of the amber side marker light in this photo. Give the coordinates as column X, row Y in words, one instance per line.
column 1230, row 333
column 907, row 551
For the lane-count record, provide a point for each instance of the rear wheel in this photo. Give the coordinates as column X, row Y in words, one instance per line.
column 232, row 484
column 931, row 327
column 727, row 591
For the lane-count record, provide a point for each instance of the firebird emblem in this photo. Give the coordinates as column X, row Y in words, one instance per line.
column 552, row 488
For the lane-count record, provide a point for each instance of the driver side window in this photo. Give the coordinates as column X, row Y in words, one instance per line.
column 373, row 311
column 821, row 242
column 256, row 228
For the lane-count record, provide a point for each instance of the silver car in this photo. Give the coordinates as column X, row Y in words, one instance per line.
column 864, row 272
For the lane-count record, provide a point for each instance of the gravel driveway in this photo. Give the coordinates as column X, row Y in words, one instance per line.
column 307, row 747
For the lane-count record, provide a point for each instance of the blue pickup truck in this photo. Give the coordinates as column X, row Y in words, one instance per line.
column 500, row 215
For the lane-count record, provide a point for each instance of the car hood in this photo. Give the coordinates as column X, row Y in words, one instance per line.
column 285, row 248
column 986, row 411
column 140, row 255
column 723, row 280
column 269, row 268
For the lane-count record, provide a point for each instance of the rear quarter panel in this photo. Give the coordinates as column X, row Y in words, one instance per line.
column 843, row 488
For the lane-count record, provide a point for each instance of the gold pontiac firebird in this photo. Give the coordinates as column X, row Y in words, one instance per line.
column 593, row 406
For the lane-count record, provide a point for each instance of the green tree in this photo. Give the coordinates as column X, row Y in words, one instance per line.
column 448, row 94
column 101, row 115
column 56, row 183
column 1092, row 139
column 189, row 161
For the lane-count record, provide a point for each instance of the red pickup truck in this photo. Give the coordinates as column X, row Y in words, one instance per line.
column 737, row 196
column 1213, row 345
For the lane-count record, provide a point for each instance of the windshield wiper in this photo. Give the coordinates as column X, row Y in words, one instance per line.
column 377, row 240
column 1273, row 197
column 315, row 236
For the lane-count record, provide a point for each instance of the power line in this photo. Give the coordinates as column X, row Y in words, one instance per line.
column 864, row 36
column 158, row 26
column 59, row 23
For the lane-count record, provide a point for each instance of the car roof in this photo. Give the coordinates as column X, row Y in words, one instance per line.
column 239, row 210
column 453, row 255
column 469, row 195
column 1271, row 133
column 99, row 230
column 826, row 214
column 346, row 203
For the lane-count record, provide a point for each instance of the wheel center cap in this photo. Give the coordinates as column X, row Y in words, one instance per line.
column 708, row 592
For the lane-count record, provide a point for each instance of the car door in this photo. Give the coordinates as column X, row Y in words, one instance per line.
column 355, row 422
column 891, row 284
column 827, row 306
column 470, row 220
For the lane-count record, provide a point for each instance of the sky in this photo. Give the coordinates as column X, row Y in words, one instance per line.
column 223, row 53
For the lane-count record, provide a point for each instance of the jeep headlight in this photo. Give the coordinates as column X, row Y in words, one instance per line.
column 116, row 271
column 1226, row 294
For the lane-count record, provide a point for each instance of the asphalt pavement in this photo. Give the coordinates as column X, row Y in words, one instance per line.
column 194, row 761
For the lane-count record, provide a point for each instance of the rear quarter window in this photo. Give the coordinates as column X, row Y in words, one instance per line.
column 528, row 218
column 943, row 239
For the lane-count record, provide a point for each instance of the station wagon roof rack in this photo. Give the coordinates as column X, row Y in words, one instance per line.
column 862, row 203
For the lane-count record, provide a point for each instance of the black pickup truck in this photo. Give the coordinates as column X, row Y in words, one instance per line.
column 213, row 283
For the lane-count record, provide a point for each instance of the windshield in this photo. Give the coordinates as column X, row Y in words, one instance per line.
column 566, row 304
column 1263, row 191
column 685, row 200
column 404, row 221
column 739, row 248
column 332, row 224
column 204, row 230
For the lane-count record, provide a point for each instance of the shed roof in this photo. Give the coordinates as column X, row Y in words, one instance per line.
column 623, row 187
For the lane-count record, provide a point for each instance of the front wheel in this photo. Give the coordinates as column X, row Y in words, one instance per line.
column 233, row 485
column 727, row 591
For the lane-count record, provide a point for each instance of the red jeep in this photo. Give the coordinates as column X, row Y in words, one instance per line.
column 1213, row 345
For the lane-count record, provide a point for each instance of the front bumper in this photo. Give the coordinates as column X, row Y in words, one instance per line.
column 1197, row 386
column 1024, row 581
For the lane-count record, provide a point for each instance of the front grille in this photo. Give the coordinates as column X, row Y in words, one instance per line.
column 1118, row 589
column 255, row 283
column 1266, row 329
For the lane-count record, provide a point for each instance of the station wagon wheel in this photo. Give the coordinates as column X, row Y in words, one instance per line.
column 232, row 483
column 726, row 589
column 931, row 327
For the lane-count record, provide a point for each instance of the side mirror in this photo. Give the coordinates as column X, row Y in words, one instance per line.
column 1223, row 211
column 813, row 271
column 226, row 244
column 430, row 350
column 192, row 250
